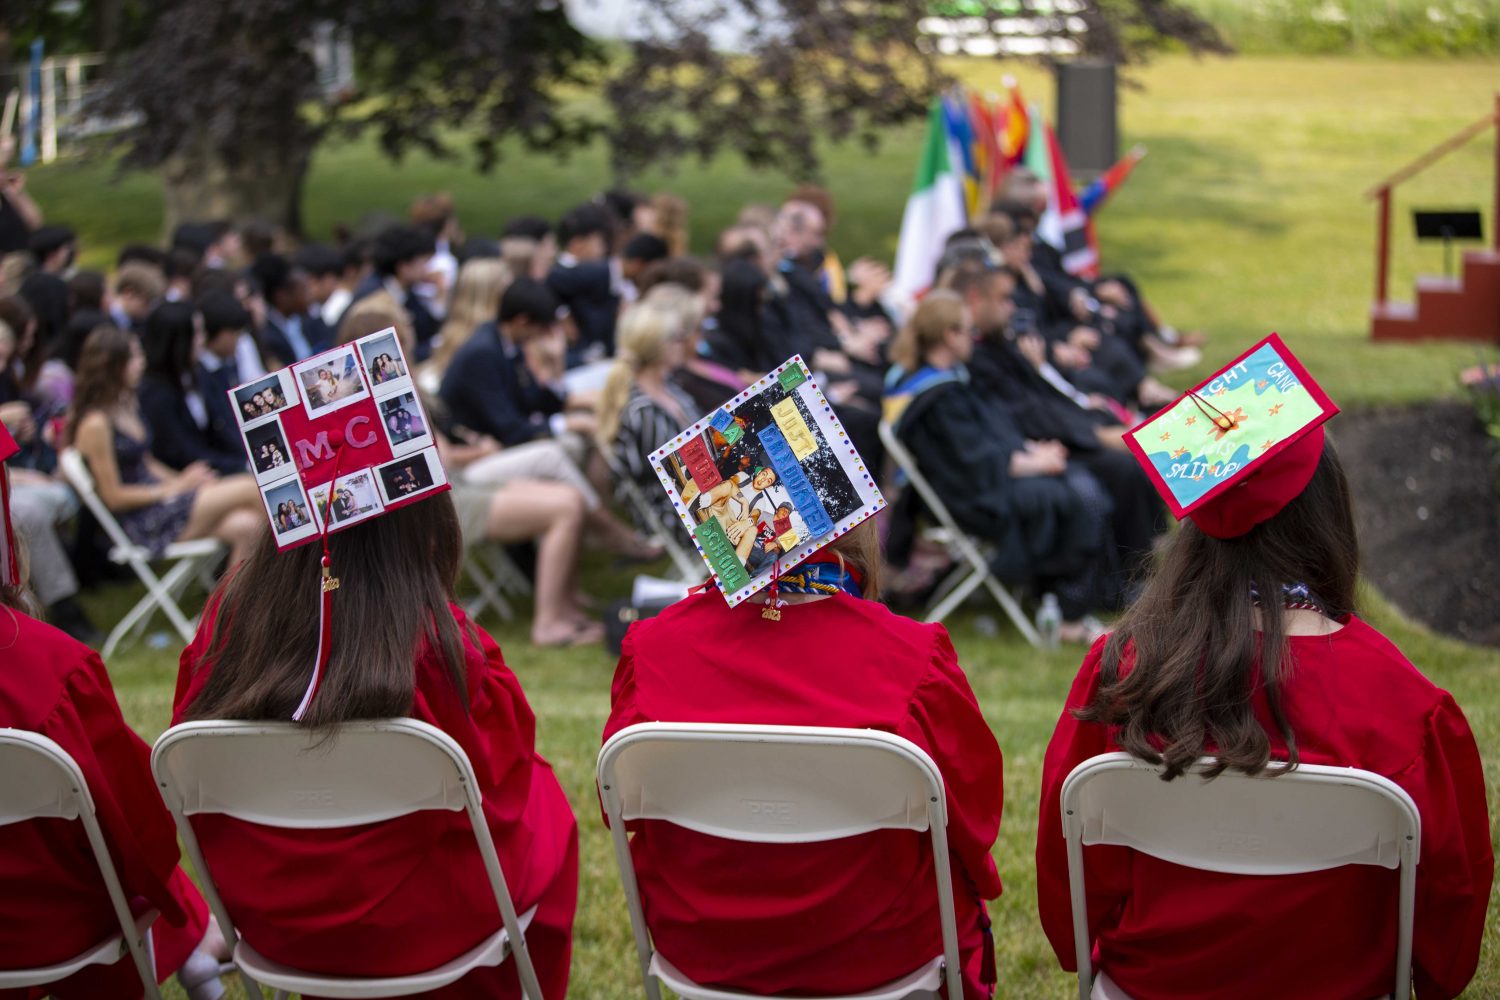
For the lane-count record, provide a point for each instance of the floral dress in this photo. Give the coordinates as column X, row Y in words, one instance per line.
column 158, row 525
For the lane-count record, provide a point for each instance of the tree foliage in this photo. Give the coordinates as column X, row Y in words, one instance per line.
column 234, row 82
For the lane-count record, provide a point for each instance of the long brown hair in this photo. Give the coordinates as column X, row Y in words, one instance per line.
column 1197, row 653
column 100, row 381
column 396, row 576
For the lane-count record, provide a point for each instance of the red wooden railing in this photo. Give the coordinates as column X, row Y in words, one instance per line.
column 1382, row 192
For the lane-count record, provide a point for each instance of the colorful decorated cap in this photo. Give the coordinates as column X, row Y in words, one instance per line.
column 335, row 440
column 1240, row 446
column 777, row 445
column 10, row 559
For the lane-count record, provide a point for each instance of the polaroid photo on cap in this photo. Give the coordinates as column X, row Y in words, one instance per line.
column 354, row 498
column 270, row 456
column 411, row 476
column 265, row 396
column 767, row 479
column 406, row 424
column 331, row 380
column 384, row 362
column 1223, row 429
column 290, row 511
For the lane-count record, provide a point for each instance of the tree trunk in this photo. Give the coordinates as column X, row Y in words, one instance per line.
column 200, row 186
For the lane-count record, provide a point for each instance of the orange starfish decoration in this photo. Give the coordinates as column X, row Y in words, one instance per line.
column 1191, row 421
column 1276, row 409
column 1216, row 469
column 1235, row 418
column 1179, row 453
column 1261, row 384
column 1220, row 391
column 1166, row 435
column 1266, row 446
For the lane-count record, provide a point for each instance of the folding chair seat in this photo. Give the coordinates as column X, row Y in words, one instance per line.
column 971, row 569
column 834, row 783
column 278, row 774
column 40, row 780
column 1309, row 819
column 189, row 560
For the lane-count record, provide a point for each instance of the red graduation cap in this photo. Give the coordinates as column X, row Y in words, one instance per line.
column 1238, row 447
column 10, row 562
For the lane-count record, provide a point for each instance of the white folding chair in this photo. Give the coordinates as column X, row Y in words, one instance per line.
column 686, row 563
column 1310, row 819
column 280, row 774
column 972, row 569
column 494, row 575
column 192, row 559
column 40, row 780
column 775, row 785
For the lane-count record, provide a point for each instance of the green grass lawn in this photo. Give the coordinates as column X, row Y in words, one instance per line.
column 1246, row 218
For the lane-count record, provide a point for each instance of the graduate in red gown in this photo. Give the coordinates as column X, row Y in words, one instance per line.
column 1245, row 645
column 409, row 894
column 836, row 917
column 53, row 903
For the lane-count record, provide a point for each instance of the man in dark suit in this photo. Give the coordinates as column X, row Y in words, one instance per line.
column 224, row 322
column 284, row 335
column 587, row 280
column 506, row 381
column 401, row 258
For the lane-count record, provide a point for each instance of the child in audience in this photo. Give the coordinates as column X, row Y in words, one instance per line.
column 829, row 918
column 1245, row 646
column 410, row 894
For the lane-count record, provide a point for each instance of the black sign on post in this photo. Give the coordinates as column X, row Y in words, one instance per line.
column 1087, row 117
column 1448, row 225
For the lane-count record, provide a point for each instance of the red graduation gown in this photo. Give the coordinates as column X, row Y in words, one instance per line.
column 812, row 918
column 52, row 899
column 1163, row 931
column 422, row 896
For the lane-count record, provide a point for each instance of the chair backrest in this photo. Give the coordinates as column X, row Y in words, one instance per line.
column 1309, row 819
column 286, row 775
column 930, row 498
column 771, row 784
column 41, row 780
column 75, row 470
column 774, row 784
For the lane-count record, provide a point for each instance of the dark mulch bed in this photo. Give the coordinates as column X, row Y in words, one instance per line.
column 1425, row 498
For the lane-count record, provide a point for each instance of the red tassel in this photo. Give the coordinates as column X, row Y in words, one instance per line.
column 12, row 562
column 326, row 587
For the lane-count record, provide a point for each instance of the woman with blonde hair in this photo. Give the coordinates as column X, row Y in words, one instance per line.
column 641, row 408
column 671, row 223
column 476, row 301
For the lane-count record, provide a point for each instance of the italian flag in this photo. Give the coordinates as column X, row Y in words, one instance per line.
column 1064, row 224
column 934, row 211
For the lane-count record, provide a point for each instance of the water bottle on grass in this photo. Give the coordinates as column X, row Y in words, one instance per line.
column 1049, row 621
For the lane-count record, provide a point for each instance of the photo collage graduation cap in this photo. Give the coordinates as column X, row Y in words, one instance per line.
column 1239, row 446
column 338, row 439
column 766, row 480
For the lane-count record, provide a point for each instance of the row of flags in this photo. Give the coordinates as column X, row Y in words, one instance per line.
column 973, row 141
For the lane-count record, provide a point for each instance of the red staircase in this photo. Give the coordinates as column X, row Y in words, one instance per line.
column 1462, row 308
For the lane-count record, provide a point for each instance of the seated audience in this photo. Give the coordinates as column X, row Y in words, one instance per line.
column 55, row 906
column 528, row 246
column 287, row 335
column 436, row 215
column 548, row 506
column 476, row 301
column 54, row 248
column 829, row 918
column 1246, row 646
column 401, row 255
column 217, row 367
column 323, row 267
column 138, row 288
column 154, row 504
column 409, row 894
column 171, row 405
column 1046, row 518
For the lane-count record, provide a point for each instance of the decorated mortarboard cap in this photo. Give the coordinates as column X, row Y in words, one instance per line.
column 781, row 424
column 10, row 561
column 1234, row 450
column 336, row 440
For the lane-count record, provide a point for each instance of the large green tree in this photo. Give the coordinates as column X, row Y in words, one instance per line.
column 230, row 107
